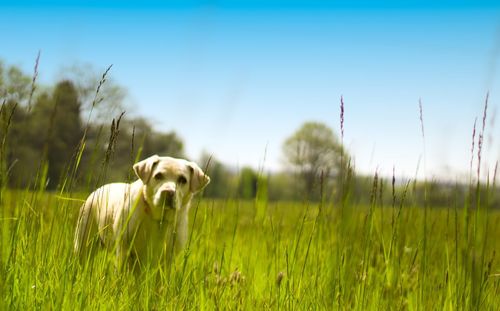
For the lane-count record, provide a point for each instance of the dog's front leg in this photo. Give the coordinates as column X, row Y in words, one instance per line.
column 180, row 230
column 121, row 256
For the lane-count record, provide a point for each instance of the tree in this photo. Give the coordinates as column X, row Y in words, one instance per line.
column 86, row 80
column 136, row 139
column 14, row 84
column 221, row 179
column 13, row 136
column 248, row 182
column 46, row 135
column 58, row 118
column 312, row 151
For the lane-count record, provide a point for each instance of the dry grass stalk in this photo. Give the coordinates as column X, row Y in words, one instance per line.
column 33, row 81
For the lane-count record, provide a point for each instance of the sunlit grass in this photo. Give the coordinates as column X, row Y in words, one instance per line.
column 258, row 255
column 294, row 258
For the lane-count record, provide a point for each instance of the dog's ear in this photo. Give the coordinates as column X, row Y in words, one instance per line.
column 144, row 168
column 199, row 179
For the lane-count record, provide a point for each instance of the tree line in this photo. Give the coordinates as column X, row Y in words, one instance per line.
column 74, row 135
column 46, row 134
column 47, row 131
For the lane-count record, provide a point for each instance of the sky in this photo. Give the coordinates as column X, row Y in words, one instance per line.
column 236, row 78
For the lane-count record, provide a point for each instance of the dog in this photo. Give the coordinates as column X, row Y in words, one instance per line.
column 144, row 221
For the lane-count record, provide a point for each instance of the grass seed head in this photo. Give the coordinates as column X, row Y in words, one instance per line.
column 279, row 278
column 236, row 278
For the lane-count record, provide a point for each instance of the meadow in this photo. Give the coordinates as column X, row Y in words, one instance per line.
column 259, row 255
column 390, row 252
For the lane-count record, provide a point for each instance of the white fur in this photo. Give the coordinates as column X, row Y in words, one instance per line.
column 138, row 220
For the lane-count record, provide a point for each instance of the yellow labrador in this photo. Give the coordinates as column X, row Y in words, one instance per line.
column 146, row 219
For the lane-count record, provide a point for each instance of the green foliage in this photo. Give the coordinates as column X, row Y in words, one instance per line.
column 314, row 150
column 57, row 119
column 247, row 185
column 221, row 179
column 49, row 137
column 110, row 100
column 136, row 140
column 14, row 84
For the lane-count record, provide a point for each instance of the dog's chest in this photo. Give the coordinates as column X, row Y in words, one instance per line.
column 152, row 239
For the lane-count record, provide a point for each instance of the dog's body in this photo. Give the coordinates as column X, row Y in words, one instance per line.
column 145, row 220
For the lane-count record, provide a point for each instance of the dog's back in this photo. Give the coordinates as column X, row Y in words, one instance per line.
column 98, row 215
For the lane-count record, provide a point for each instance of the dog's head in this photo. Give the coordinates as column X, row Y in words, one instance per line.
column 169, row 182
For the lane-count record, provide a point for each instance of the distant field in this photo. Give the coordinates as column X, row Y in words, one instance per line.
column 254, row 255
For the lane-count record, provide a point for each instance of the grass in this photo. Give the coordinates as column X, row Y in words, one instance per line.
column 296, row 257
column 257, row 255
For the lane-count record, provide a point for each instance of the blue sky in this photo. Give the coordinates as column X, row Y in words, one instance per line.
column 235, row 78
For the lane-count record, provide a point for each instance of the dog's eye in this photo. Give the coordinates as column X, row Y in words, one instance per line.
column 181, row 180
column 158, row 176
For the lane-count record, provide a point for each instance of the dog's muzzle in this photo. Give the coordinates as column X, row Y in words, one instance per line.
column 168, row 198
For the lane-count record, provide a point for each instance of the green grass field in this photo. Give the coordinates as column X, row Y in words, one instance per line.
column 259, row 255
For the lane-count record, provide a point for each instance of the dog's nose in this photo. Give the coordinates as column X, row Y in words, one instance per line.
column 169, row 193
column 168, row 197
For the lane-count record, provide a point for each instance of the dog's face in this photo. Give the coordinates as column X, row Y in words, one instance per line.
column 169, row 182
